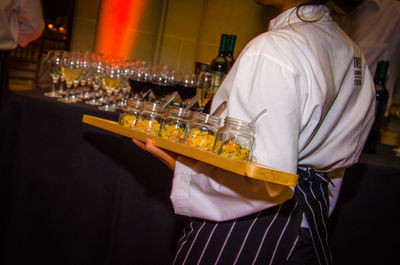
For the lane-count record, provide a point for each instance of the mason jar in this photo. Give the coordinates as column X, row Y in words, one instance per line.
column 174, row 124
column 149, row 118
column 235, row 140
column 130, row 113
column 202, row 131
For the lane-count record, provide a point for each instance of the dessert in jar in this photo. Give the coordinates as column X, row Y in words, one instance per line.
column 174, row 124
column 127, row 119
column 202, row 130
column 149, row 118
column 235, row 140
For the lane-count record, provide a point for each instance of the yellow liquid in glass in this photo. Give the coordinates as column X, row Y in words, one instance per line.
column 70, row 75
column 204, row 96
column 110, row 84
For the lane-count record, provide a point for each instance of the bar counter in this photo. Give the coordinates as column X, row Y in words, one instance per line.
column 74, row 194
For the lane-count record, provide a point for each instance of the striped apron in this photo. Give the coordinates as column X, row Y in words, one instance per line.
column 266, row 237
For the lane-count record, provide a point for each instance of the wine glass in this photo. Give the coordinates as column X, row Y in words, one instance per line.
column 204, row 88
column 144, row 79
column 96, row 70
column 52, row 61
column 125, row 87
column 185, row 84
column 71, row 70
column 85, row 77
column 111, row 80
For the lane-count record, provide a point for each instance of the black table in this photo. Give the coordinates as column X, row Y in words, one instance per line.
column 74, row 194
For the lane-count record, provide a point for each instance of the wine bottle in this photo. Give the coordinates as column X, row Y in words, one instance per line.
column 382, row 96
column 218, row 67
column 229, row 51
column 219, row 64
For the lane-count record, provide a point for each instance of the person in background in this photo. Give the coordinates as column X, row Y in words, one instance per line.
column 21, row 21
column 319, row 95
column 375, row 25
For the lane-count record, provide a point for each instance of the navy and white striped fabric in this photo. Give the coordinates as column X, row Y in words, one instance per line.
column 266, row 237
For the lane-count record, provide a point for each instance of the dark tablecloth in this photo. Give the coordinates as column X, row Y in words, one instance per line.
column 74, row 194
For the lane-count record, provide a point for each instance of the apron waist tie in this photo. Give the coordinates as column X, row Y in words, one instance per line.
column 265, row 237
column 311, row 194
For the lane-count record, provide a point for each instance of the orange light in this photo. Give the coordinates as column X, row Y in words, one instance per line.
column 116, row 32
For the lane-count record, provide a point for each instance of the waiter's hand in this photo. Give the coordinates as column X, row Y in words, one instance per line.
column 169, row 158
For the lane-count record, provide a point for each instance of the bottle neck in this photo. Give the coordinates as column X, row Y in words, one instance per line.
column 231, row 45
column 380, row 73
column 223, row 45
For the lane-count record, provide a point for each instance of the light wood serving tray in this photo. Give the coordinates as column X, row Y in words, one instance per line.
column 252, row 170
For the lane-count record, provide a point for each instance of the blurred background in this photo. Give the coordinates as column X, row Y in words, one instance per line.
column 177, row 33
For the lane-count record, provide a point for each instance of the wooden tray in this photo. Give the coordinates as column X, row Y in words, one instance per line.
column 251, row 170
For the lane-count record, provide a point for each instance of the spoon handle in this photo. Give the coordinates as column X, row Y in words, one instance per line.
column 218, row 111
column 169, row 99
column 145, row 94
column 257, row 117
column 191, row 102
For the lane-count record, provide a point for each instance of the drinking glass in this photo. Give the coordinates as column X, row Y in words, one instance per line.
column 85, row 77
column 111, row 80
column 96, row 70
column 71, row 70
column 52, row 61
column 204, row 88
column 185, row 84
column 126, row 67
column 140, row 80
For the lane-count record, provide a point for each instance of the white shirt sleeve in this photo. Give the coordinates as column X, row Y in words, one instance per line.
column 30, row 21
column 254, row 83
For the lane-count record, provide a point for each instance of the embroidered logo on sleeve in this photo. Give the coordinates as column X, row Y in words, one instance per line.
column 357, row 71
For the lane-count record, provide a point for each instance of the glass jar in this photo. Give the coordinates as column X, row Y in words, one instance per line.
column 174, row 124
column 235, row 140
column 202, row 130
column 128, row 118
column 149, row 118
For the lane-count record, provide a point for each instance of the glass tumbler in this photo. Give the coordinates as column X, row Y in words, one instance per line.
column 202, row 131
column 128, row 118
column 235, row 140
column 150, row 117
column 174, row 124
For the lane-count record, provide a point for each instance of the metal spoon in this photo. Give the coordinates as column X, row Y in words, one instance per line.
column 145, row 94
column 218, row 111
column 169, row 99
column 253, row 122
column 191, row 102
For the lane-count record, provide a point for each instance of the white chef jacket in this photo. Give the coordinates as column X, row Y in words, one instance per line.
column 320, row 99
column 21, row 21
column 375, row 27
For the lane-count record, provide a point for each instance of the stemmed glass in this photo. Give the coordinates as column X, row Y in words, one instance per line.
column 185, row 84
column 204, row 88
column 111, row 80
column 85, row 77
column 125, row 87
column 70, row 70
column 96, row 71
column 145, row 75
column 53, row 63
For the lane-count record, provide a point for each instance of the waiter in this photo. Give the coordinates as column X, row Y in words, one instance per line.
column 21, row 21
column 319, row 95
